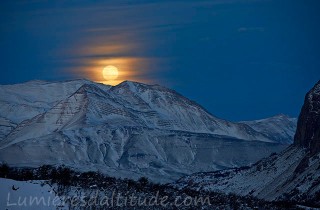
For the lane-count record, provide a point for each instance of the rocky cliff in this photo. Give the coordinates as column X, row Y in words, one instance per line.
column 308, row 130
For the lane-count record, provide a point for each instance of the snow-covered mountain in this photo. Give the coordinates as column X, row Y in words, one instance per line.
column 294, row 174
column 280, row 128
column 151, row 106
column 24, row 101
column 131, row 129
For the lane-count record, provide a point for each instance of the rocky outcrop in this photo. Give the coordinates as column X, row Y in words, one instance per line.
column 308, row 129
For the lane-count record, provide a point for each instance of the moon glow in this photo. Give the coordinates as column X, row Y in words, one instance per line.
column 110, row 72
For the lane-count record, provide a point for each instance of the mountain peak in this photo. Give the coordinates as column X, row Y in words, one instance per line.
column 281, row 116
column 130, row 83
column 308, row 130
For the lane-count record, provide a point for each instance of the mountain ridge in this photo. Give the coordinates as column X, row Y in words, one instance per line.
column 131, row 128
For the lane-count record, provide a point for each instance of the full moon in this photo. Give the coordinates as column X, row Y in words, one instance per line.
column 110, row 72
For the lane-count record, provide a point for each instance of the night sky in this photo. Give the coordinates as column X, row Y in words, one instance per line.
column 240, row 59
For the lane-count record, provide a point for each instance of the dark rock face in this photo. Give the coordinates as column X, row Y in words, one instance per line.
column 308, row 128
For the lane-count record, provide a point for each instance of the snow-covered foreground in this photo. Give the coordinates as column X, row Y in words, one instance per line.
column 29, row 195
column 93, row 191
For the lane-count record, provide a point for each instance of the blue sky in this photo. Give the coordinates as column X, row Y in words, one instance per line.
column 240, row 59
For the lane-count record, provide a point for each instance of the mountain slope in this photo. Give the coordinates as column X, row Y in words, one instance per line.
column 130, row 130
column 280, row 128
column 23, row 101
column 293, row 174
column 152, row 106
